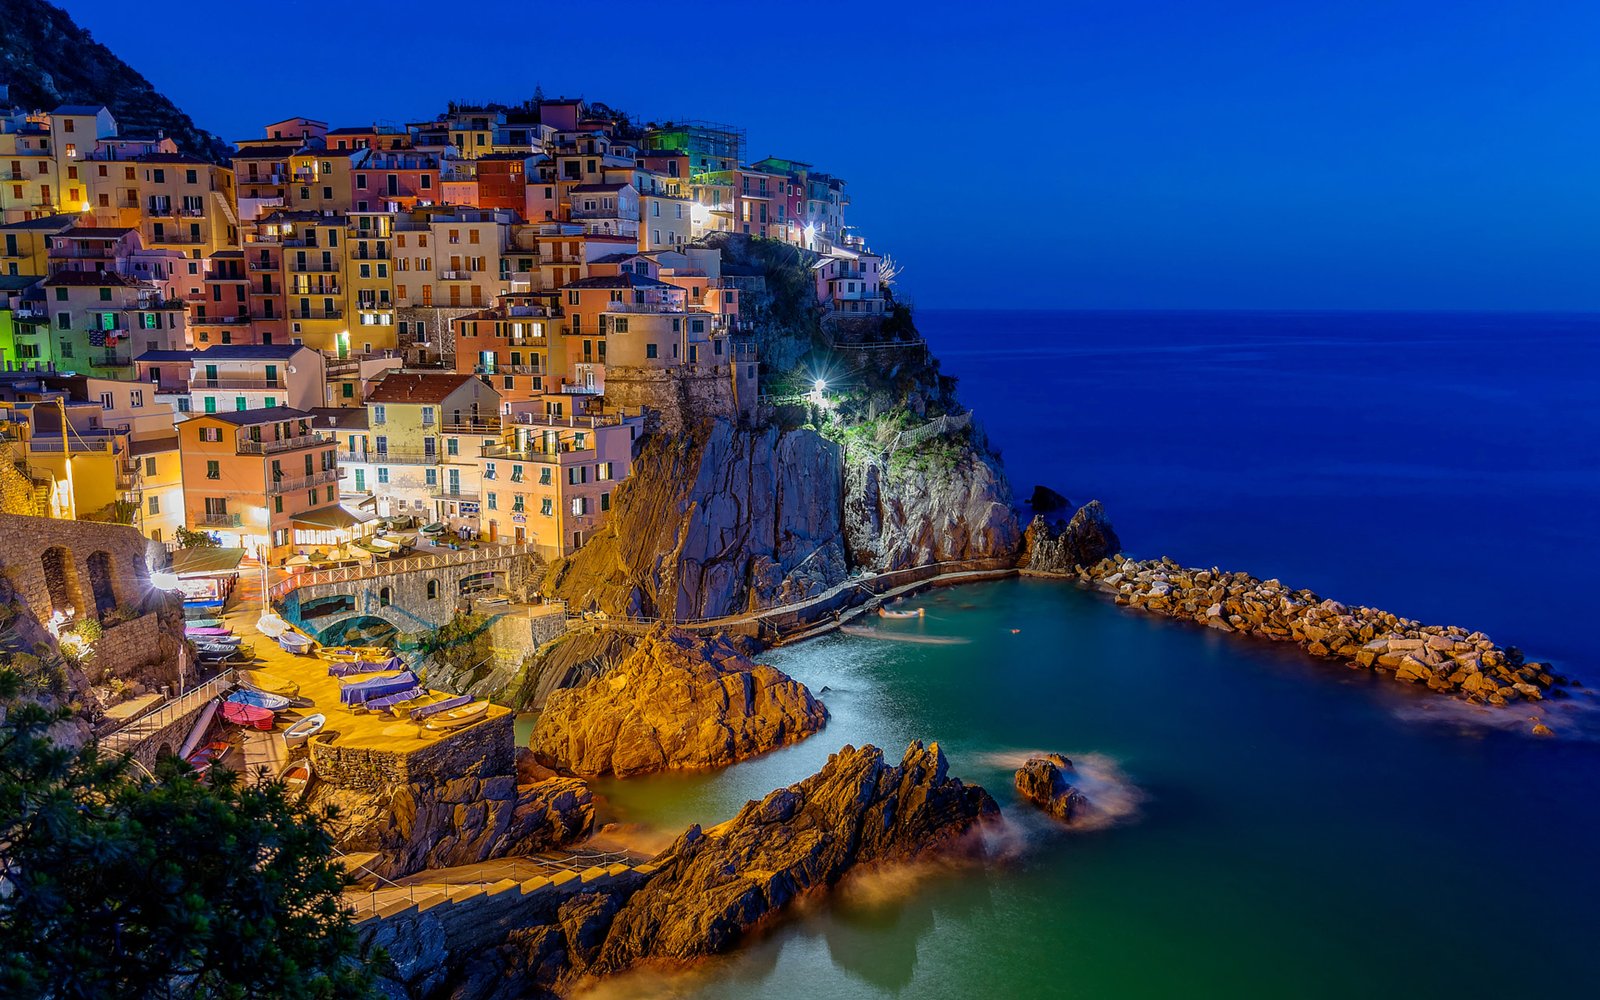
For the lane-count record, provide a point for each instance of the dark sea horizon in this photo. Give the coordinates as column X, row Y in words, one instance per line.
column 1292, row 828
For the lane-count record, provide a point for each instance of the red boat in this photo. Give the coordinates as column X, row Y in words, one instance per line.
column 247, row 715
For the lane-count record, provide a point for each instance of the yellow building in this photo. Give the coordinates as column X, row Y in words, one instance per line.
column 29, row 184
column 369, row 281
column 186, row 205
column 320, row 180
column 25, row 246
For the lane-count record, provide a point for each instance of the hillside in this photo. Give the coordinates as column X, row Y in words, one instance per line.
column 47, row 60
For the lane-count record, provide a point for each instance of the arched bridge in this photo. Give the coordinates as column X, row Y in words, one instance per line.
column 414, row 593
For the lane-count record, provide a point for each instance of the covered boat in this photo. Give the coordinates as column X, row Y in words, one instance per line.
column 466, row 715
column 270, row 625
column 215, row 651
column 354, row 667
column 206, row 630
column 266, row 682
column 913, row 613
column 424, row 711
column 247, row 715
column 259, row 699
column 349, row 654
column 435, row 529
column 306, row 728
column 361, row 692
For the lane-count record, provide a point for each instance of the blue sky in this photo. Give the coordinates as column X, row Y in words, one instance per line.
column 1083, row 155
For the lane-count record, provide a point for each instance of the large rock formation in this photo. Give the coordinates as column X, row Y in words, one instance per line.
column 440, row 823
column 677, row 701
column 704, row 893
column 1043, row 782
column 1084, row 540
column 941, row 500
column 725, row 520
column 1445, row 658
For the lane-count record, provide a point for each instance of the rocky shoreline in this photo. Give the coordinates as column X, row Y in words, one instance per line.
column 1444, row 658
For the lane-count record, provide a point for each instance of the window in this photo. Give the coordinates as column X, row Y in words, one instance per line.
column 213, row 470
column 212, row 434
column 451, row 447
column 431, row 476
column 488, row 470
column 580, row 505
column 602, row 472
column 494, row 500
column 544, row 476
column 277, row 504
column 136, row 397
column 433, row 589
column 105, row 400
column 150, row 466
column 155, row 506
column 378, row 418
column 383, row 474
column 211, row 406
column 649, row 350
column 605, row 501
column 547, row 507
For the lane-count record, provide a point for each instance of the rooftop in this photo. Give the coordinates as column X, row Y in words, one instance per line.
column 625, row 280
column 417, row 387
column 265, row 415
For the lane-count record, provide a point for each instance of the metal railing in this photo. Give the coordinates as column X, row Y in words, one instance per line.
column 303, row 483
column 222, row 520
column 487, row 552
column 234, row 383
column 250, row 447
column 125, row 739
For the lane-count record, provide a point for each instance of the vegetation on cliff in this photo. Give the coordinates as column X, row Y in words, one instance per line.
column 47, row 61
column 133, row 886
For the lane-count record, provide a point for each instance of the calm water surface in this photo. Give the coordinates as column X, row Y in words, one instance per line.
column 1300, row 830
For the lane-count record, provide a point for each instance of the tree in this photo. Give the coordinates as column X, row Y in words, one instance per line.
column 159, row 885
column 195, row 539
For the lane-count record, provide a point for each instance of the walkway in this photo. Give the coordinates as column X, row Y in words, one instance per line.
column 124, row 740
column 519, row 877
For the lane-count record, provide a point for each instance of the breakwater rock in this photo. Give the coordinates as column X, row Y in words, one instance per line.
column 700, row 896
column 676, row 701
column 1444, row 658
column 1082, row 541
column 1043, row 782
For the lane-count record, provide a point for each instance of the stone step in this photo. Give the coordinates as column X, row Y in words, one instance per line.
column 495, row 888
column 534, row 884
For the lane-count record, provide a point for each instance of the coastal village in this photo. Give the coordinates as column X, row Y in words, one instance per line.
column 431, row 470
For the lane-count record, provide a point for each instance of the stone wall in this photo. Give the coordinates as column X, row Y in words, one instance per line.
column 410, row 608
column 135, row 649
column 486, row 748
column 679, row 398
column 27, row 544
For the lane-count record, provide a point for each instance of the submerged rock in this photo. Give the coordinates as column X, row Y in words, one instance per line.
column 677, row 701
column 1043, row 782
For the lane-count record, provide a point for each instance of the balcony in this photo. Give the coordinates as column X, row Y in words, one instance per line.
column 508, row 453
column 458, row 496
column 179, row 238
column 314, row 267
column 459, row 275
column 381, row 253
column 235, row 383
column 644, row 307
column 220, row 321
column 250, row 447
column 316, row 314
column 322, row 478
column 263, row 265
column 403, row 456
column 221, row 521
column 508, row 370
column 276, row 180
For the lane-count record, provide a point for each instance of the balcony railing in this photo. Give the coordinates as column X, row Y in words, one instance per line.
column 235, row 383
column 446, row 493
column 644, row 307
column 249, row 447
column 508, row 453
column 507, row 370
column 313, row 266
column 222, row 321
column 472, row 427
column 317, row 313
column 406, row 456
column 303, row 483
column 222, row 520
column 459, row 275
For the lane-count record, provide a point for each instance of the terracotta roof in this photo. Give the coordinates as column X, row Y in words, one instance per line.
column 265, row 415
column 417, row 387
column 90, row 279
column 98, row 232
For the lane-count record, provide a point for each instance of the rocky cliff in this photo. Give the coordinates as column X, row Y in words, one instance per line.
column 1043, row 782
column 677, row 701
column 725, row 520
column 711, row 887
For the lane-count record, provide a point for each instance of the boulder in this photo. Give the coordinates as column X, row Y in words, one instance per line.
column 677, row 701
column 1086, row 539
column 1043, row 782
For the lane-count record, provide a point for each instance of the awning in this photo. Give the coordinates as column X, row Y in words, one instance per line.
column 206, row 561
column 329, row 518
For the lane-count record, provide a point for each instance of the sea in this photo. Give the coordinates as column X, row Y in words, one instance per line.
column 1275, row 826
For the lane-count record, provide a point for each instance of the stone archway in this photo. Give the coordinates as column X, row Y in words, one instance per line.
column 101, row 585
column 61, row 580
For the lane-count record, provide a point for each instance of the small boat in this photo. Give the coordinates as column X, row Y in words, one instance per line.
column 434, row 530
column 209, row 754
column 350, row 654
column 913, row 613
column 294, row 642
column 271, row 685
column 194, row 623
column 306, row 728
column 259, row 699
column 270, row 625
column 295, row 778
column 466, row 715
column 216, row 640
column 247, row 715
column 210, row 630
column 219, row 651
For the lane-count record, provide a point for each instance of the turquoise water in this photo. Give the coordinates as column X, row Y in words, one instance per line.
column 1306, row 830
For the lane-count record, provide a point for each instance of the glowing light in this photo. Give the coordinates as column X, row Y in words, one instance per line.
column 698, row 214
column 164, row 581
column 820, row 385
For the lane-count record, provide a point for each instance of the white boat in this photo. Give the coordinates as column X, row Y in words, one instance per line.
column 294, row 642
column 270, row 625
column 306, row 728
column 913, row 613
column 466, row 715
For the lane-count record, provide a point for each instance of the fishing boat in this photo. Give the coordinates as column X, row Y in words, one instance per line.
column 466, row 715
column 294, row 642
column 270, row 625
column 295, row 778
column 306, row 728
column 421, row 712
column 913, row 613
column 247, row 715
column 203, row 623
column 216, row 651
column 271, row 685
column 259, row 699
column 434, row 530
